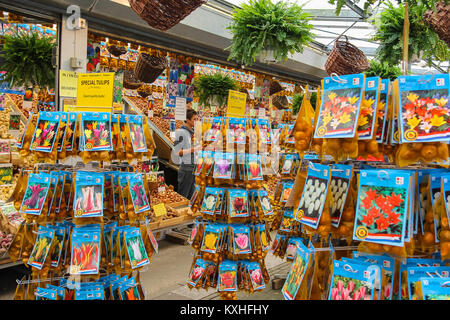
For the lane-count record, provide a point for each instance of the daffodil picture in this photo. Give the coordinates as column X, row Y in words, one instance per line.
column 338, row 113
column 367, row 114
column 425, row 115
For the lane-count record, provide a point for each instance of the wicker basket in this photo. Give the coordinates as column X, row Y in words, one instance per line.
column 280, row 102
column 116, row 51
column 149, row 67
column 275, row 87
column 130, row 81
column 439, row 21
column 164, row 14
column 345, row 58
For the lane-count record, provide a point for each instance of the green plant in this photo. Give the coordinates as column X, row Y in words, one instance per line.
column 389, row 24
column 383, row 70
column 217, row 85
column 262, row 24
column 28, row 60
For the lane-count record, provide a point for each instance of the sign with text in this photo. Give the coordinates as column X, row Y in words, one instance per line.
column 68, row 82
column 236, row 103
column 95, row 89
column 180, row 108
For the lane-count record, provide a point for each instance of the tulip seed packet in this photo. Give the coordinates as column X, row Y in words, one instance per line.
column 265, row 132
column 288, row 219
column 241, row 239
column 85, row 257
column 130, row 291
column 288, row 163
column 220, row 202
column 135, row 247
column 435, row 288
column 138, row 195
column 435, row 193
column 59, row 197
column 368, row 109
column 261, row 229
column 291, row 249
column 223, row 165
column 238, row 203
column 340, row 106
column 264, row 201
column 314, row 194
column 197, row 272
column 339, row 187
column 382, row 206
column 69, row 135
column 60, row 233
column 290, row 139
column 278, row 240
column 382, row 110
column 446, row 193
column 151, row 236
column 53, row 182
column 255, row 273
column 215, row 130
column 210, row 200
column 35, row 194
column 227, row 276
column 116, row 191
column 254, row 168
column 41, row 247
column 46, row 294
column 88, row 200
column 208, row 162
column 137, row 133
column 424, row 108
column 286, row 188
column 373, row 265
column 297, row 272
column 200, row 160
column 45, row 132
column 236, row 131
column 211, row 238
column 194, row 196
column 96, row 131
column 89, row 295
column 59, row 291
column 107, row 238
column 63, row 126
column 415, row 274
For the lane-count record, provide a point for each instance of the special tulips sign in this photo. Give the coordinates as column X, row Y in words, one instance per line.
column 95, row 89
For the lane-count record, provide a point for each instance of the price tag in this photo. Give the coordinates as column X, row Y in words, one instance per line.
column 180, row 108
column 160, row 210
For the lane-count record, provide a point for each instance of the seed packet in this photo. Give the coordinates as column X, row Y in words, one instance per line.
column 62, row 131
column 199, row 161
column 382, row 206
column 70, row 131
column 138, row 195
column 265, row 131
column 210, row 200
column 151, row 237
column 368, row 109
column 214, row 131
column 107, row 239
column 312, row 201
column 435, row 194
column 85, row 257
column 59, row 291
column 351, row 282
column 289, row 138
column 291, row 249
column 263, row 238
column 60, row 233
column 41, row 247
column 415, row 274
column 45, row 134
column 211, row 238
column 88, row 199
column 129, row 291
column 241, row 239
column 137, row 133
column 237, row 203
column 253, row 167
column 228, row 276
column 197, row 272
column 288, row 219
column 89, row 295
column 435, row 289
column 264, row 201
column 36, row 193
column 297, row 272
column 286, row 188
column 236, row 131
column 424, row 108
column 382, row 110
column 339, row 110
column 96, row 131
column 223, row 165
column 255, row 273
column 46, row 294
column 340, row 187
column 220, row 202
column 135, row 246
column 287, row 162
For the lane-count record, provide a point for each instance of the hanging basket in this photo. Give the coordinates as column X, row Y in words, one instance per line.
column 130, row 81
column 280, row 102
column 116, row 51
column 275, row 87
column 345, row 58
column 439, row 21
column 144, row 91
column 164, row 14
column 149, row 67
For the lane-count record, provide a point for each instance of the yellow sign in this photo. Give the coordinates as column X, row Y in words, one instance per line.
column 95, row 89
column 68, row 82
column 236, row 103
column 75, row 108
column 159, row 209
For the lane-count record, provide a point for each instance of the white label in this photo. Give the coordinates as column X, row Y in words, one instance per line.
column 399, row 180
column 371, row 84
column 355, row 81
column 386, row 263
column 440, row 82
column 383, row 86
column 180, row 108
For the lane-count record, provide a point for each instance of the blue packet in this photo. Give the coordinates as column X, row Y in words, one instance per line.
column 288, row 163
column 288, row 219
column 415, row 274
column 435, row 288
column 368, row 109
column 54, row 177
column 227, row 276
column 59, row 291
column 262, row 234
column 46, row 294
column 435, row 193
column 197, row 272
column 41, row 247
column 96, row 131
column 314, row 195
column 60, row 141
column 138, row 195
column 85, row 257
column 286, row 188
column 214, row 132
column 383, row 103
column 291, row 249
column 211, row 238
column 107, row 239
column 223, row 165
column 36, row 193
column 237, row 203
column 241, row 239
column 265, row 132
column 46, row 130
column 210, row 200
column 253, row 167
column 60, row 186
column 255, row 273
column 339, row 186
column 264, row 201
column 129, row 291
column 297, row 272
column 69, row 137
column 137, row 133
column 135, row 246
column 60, row 237
column 89, row 295
column 340, row 105
column 236, row 132
column 88, row 199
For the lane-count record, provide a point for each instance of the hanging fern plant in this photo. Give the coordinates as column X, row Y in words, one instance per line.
column 261, row 24
column 383, row 70
column 422, row 38
column 216, row 86
column 28, row 60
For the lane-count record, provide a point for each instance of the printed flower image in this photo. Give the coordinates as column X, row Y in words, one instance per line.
column 291, row 251
column 366, row 114
column 227, row 280
column 313, row 198
column 386, row 286
column 339, row 188
column 138, row 195
column 264, row 133
column 242, row 243
column 344, row 288
column 257, row 278
column 265, row 204
column 239, row 206
column 45, row 134
column 212, row 133
column 222, row 168
column 338, row 113
column 136, row 251
column 89, row 199
column 286, row 193
column 57, row 250
column 137, row 137
column 236, row 133
column 286, row 224
column 381, row 211
column 263, row 238
column 254, row 170
column 131, row 294
column 6, row 175
column 437, row 297
column 85, row 257
column 96, row 135
column 381, row 113
column 294, row 278
column 427, row 113
column 34, row 197
column 40, row 250
column 287, row 166
column 210, row 241
column 209, row 203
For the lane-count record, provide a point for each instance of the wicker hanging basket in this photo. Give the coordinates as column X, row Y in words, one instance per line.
column 280, row 102
column 345, row 58
column 116, row 51
column 275, row 87
column 130, row 81
column 164, row 14
column 149, row 67
column 439, row 21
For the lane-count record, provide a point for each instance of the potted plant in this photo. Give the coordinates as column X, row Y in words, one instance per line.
column 27, row 60
column 383, row 70
column 213, row 89
column 270, row 30
column 389, row 33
